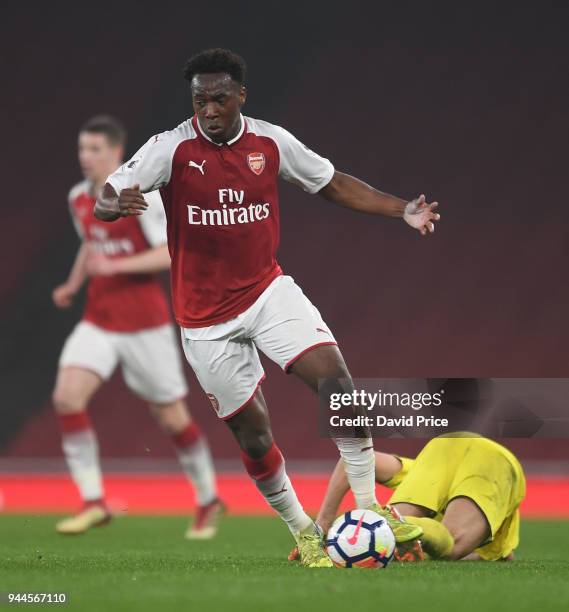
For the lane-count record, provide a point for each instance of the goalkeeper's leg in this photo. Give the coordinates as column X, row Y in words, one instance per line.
column 467, row 525
column 325, row 371
column 463, row 528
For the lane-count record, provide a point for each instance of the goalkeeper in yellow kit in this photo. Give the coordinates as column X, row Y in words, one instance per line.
column 462, row 489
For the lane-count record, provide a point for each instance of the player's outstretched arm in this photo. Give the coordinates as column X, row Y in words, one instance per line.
column 110, row 206
column 63, row 294
column 350, row 192
column 337, row 488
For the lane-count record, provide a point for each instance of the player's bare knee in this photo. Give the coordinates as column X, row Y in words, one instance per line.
column 65, row 402
column 335, row 385
column 254, row 436
column 73, row 389
column 341, row 382
column 172, row 418
column 164, row 420
column 251, row 428
column 324, row 366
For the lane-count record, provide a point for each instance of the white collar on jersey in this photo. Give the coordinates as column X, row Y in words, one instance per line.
column 229, row 142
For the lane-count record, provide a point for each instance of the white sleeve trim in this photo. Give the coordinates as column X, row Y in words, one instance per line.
column 151, row 166
column 74, row 193
column 297, row 164
column 153, row 220
column 326, row 178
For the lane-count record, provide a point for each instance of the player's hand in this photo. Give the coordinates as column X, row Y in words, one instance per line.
column 131, row 202
column 419, row 215
column 98, row 264
column 63, row 295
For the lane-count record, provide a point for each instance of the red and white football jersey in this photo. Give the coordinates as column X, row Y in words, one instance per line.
column 222, row 207
column 122, row 302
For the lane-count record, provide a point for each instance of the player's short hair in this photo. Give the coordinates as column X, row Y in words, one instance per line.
column 216, row 60
column 111, row 127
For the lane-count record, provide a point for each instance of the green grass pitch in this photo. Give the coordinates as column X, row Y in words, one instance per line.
column 143, row 564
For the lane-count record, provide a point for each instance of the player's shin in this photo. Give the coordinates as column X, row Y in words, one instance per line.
column 274, row 484
column 81, row 451
column 355, row 444
column 359, row 465
column 195, row 457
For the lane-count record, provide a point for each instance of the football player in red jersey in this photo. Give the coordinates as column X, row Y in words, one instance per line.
column 126, row 321
column 217, row 174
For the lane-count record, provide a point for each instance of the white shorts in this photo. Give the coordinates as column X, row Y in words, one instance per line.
column 282, row 323
column 150, row 359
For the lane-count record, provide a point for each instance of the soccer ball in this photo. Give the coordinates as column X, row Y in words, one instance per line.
column 360, row 538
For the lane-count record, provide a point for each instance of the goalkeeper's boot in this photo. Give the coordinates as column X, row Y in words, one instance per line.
column 310, row 544
column 409, row 552
column 404, row 532
column 93, row 514
column 204, row 526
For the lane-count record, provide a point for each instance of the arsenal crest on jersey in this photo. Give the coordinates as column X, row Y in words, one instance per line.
column 256, row 162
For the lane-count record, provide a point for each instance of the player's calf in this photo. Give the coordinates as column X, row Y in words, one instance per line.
column 251, row 428
column 172, row 417
column 74, row 388
column 195, row 458
column 265, row 464
column 467, row 525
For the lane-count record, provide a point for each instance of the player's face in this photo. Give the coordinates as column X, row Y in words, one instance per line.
column 217, row 100
column 97, row 156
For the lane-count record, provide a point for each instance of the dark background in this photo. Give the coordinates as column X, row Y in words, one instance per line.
column 468, row 104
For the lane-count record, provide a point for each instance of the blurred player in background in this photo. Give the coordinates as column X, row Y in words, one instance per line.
column 462, row 489
column 218, row 176
column 126, row 321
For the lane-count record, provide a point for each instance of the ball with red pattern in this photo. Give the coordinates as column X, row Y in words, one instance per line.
column 360, row 538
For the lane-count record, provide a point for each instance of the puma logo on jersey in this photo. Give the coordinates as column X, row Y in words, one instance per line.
column 192, row 164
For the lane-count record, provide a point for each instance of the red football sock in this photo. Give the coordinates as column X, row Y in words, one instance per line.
column 188, row 436
column 81, row 451
column 273, row 483
column 195, row 458
column 76, row 421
